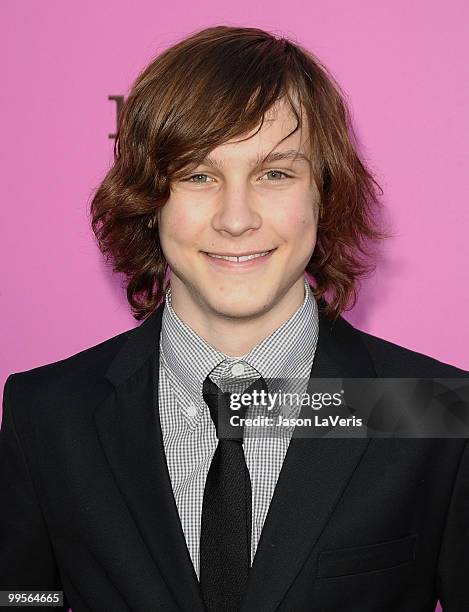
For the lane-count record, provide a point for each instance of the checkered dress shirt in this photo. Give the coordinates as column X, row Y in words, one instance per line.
column 188, row 431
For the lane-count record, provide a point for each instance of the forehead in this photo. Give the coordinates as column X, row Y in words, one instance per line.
column 280, row 130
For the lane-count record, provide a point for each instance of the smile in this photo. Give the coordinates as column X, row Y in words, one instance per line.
column 239, row 258
column 228, row 262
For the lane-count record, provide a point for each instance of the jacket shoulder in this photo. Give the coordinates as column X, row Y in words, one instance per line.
column 393, row 360
column 76, row 375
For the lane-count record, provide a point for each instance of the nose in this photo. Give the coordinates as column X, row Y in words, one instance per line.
column 235, row 211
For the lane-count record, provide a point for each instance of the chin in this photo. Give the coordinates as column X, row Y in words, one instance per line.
column 239, row 308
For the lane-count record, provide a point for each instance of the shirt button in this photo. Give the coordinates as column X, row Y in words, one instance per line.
column 237, row 369
column 191, row 410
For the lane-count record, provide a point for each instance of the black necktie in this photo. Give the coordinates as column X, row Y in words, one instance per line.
column 225, row 537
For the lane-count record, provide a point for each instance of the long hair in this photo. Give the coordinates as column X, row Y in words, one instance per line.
column 209, row 88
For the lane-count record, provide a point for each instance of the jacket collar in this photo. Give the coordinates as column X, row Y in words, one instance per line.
column 340, row 350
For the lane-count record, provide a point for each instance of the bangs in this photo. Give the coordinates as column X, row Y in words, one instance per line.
column 218, row 92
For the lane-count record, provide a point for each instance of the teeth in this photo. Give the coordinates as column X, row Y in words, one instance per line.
column 238, row 259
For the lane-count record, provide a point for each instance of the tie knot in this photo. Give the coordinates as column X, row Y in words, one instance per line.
column 222, row 408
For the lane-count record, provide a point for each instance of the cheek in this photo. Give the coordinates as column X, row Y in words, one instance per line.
column 179, row 222
column 297, row 220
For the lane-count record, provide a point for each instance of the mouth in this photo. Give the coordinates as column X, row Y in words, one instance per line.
column 238, row 261
column 239, row 258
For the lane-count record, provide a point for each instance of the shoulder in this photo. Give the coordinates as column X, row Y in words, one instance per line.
column 80, row 376
column 393, row 360
column 79, row 382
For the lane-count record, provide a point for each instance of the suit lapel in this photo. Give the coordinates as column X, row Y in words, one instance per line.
column 132, row 441
column 314, row 475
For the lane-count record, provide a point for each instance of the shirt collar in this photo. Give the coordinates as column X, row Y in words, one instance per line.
column 188, row 358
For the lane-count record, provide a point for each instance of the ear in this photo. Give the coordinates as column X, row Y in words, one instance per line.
column 318, row 211
column 155, row 219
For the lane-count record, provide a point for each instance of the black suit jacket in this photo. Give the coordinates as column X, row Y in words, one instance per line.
column 354, row 524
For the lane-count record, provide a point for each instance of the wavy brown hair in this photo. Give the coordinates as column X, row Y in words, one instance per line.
column 209, row 88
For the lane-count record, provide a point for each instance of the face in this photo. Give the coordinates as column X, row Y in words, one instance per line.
column 239, row 230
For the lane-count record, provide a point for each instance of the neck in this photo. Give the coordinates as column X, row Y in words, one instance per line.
column 235, row 336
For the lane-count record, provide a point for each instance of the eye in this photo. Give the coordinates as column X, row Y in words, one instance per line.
column 276, row 175
column 199, row 178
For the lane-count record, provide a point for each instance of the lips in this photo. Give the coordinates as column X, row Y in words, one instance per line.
column 230, row 263
column 239, row 258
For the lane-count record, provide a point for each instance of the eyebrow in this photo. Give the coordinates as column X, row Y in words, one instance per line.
column 263, row 158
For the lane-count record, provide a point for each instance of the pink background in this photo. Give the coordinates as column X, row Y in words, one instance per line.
column 403, row 66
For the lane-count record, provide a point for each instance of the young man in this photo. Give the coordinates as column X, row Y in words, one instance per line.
column 235, row 172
